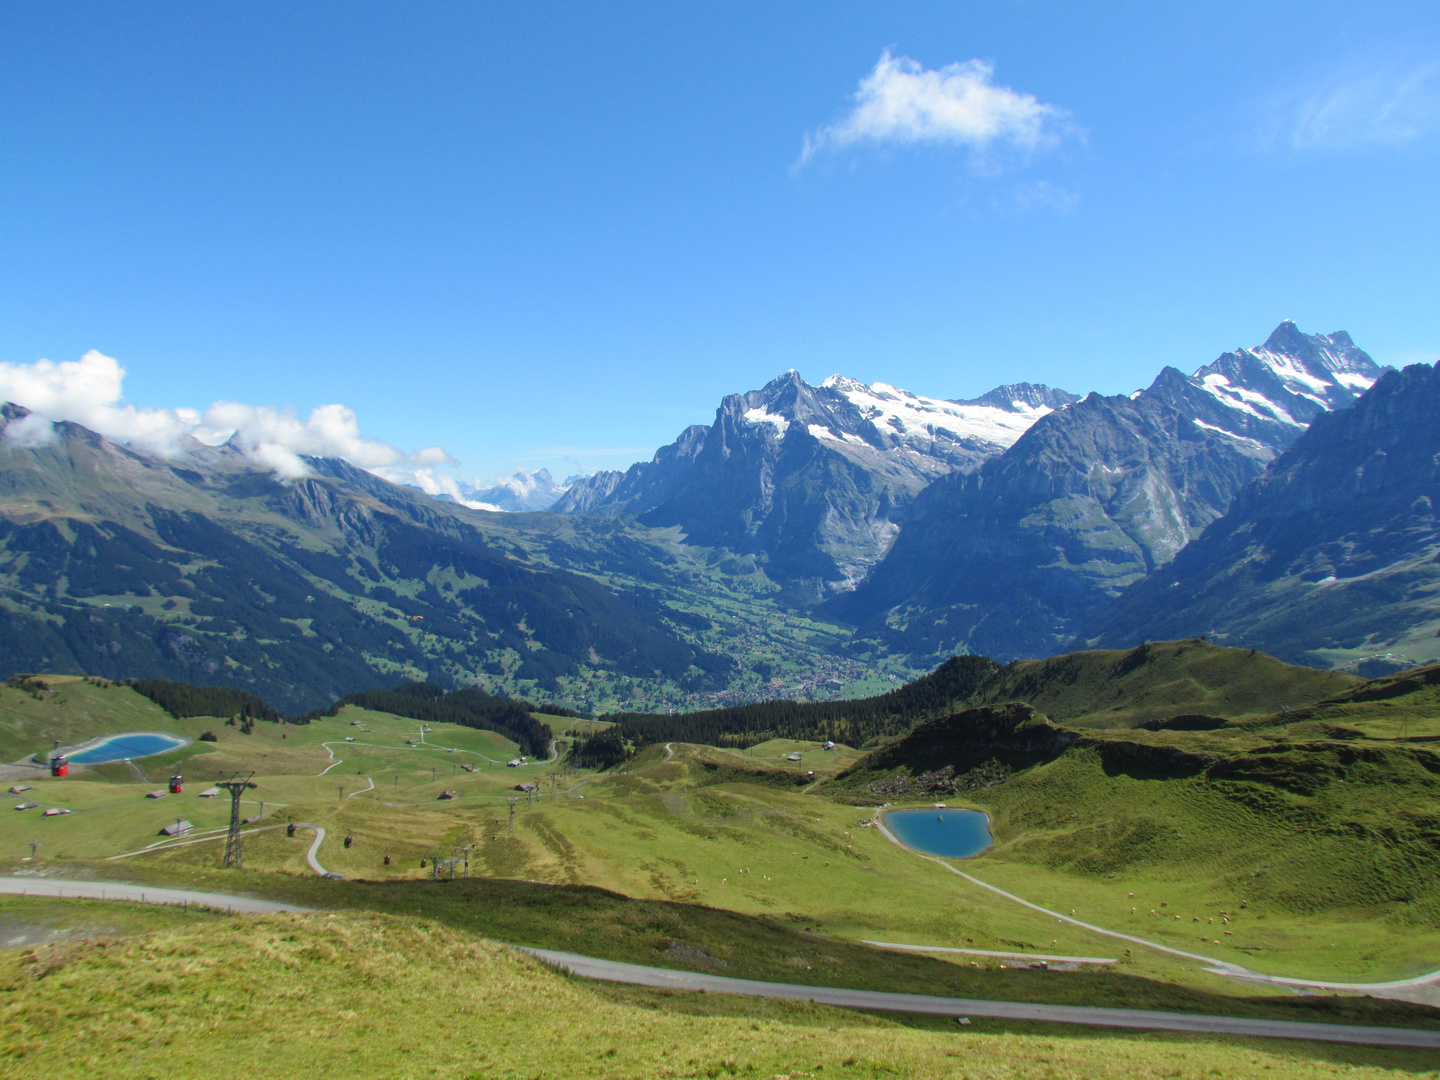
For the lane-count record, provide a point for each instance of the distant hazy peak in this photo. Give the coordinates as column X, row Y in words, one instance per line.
column 1022, row 397
column 519, row 491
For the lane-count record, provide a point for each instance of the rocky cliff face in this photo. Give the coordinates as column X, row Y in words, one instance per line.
column 811, row 479
column 1016, row 557
column 1331, row 555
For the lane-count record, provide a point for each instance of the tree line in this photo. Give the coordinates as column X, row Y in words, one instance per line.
column 469, row 708
column 416, row 700
column 853, row 722
column 182, row 699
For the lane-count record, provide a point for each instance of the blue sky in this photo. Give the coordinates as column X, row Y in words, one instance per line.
column 555, row 234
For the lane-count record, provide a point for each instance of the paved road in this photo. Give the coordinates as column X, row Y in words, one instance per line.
column 614, row 971
column 315, row 847
column 110, row 890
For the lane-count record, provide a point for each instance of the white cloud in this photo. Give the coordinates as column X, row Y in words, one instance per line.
column 902, row 102
column 1363, row 106
column 88, row 392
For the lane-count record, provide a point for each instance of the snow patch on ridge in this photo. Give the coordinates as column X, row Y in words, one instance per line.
column 910, row 415
column 1246, row 400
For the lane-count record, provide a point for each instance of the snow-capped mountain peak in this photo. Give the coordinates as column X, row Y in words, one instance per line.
column 519, row 491
column 901, row 416
column 1292, row 378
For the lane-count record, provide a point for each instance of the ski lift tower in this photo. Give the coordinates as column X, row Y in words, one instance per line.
column 236, row 785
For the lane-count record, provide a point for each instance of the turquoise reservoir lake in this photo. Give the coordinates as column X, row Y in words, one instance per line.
column 955, row 834
column 134, row 745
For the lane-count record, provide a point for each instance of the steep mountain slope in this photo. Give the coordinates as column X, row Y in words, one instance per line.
column 1014, row 558
column 206, row 569
column 810, row 479
column 1329, row 556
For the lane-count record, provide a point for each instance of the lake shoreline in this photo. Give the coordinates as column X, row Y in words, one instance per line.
column 943, row 831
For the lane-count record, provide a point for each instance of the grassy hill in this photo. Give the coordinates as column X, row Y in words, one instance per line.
column 1405, row 705
column 34, row 714
column 1125, row 687
column 365, row 995
column 1293, row 819
column 1098, row 688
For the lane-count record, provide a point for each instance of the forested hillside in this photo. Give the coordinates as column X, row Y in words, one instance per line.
column 469, row 708
column 852, row 722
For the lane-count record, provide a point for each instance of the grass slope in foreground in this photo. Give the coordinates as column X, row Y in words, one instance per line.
column 364, row 995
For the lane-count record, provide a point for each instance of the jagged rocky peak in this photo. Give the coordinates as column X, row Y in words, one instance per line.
column 858, row 417
column 1293, row 377
column 813, row 477
column 1023, row 397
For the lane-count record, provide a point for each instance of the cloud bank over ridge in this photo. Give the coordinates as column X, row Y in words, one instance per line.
column 88, row 392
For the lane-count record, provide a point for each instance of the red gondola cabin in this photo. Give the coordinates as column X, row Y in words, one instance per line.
column 59, row 766
column 176, row 784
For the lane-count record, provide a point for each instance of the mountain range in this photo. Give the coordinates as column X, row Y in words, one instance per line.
column 812, row 480
column 1016, row 557
column 207, row 568
column 812, row 541
column 1332, row 554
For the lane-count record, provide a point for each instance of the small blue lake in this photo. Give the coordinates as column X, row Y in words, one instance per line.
column 955, row 834
column 134, row 745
